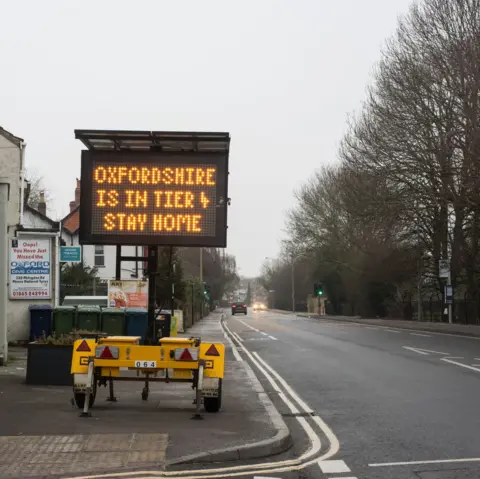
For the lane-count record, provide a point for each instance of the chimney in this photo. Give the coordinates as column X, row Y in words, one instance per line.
column 77, row 193
column 72, row 206
column 42, row 206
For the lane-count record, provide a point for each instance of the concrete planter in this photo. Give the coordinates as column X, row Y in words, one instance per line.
column 49, row 364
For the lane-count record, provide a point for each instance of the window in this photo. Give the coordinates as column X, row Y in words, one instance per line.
column 99, row 256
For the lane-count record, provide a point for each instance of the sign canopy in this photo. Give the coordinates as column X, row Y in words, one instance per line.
column 154, row 188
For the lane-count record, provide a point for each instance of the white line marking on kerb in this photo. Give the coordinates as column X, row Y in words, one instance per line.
column 420, row 334
column 466, row 366
column 437, row 461
column 333, row 467
column 236, row 354
column 237, row 337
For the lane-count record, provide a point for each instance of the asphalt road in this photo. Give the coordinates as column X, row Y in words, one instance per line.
column 389, row 396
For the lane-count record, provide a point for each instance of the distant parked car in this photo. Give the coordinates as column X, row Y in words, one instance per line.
column 239, row 308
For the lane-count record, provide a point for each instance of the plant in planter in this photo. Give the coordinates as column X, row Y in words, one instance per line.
column 50, row 358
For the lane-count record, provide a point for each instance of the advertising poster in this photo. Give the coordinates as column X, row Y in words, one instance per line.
column 129, row 293
column 30, row 269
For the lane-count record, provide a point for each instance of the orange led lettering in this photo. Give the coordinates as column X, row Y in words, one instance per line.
column 189, row 176
column 188, row 200
column 122, row 173
column 112, row 175
column 157, row 222
column 142, row 219
column 158, row 195
column 109, row 221
column 121, row 222
column 179, row 176
column 200, row 176
column 134, row 175
column 169, row 222
column 178, row 199
column 168, row 174
column 195, row 225
column 204, row 200
column 131, row 223
column 182, row 220
column 101, row 197
column 156, row 176
column 145, row 176
column 210, row 173
column 168, row 201
column 112, row 198
column 141, row 198
column 100, row 174
column 129, row 203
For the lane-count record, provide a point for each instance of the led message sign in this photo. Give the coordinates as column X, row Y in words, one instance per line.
column 153, row 198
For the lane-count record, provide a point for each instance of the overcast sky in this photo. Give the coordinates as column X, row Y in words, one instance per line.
column 280, row 76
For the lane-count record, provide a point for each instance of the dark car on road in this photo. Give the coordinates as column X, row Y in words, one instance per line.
column 239, row 308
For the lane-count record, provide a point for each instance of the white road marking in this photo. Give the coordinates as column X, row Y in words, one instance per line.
column 428, row 351
column 273, row 337
column 415, row 350
column 460, row 364
column 343, row 477
column 236, row 336
column 454, row 357
column 266, row 477
column 247, row 325
column 333, row 467
column 372, row 327
column 265, row 334
column 420, row 334
column 392, row 331
column 236, row 354
column 437, row 461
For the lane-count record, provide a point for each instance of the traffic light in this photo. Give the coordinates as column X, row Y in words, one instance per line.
column 318, row 289
column 206, row 291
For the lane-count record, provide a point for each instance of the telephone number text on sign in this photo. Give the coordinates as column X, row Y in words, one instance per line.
column 170, row 200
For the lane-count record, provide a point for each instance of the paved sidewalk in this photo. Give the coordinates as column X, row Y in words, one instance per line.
column 445, row 328
column 42, row 434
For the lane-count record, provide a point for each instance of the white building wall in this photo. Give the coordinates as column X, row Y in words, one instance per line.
column 110, row 253
column 18, row 320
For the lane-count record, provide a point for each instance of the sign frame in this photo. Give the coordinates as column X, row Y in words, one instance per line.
column 15, row 291
column 444, row 268
column 65, row 251
column 139, row 158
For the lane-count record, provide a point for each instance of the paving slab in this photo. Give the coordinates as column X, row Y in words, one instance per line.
column 131, row 433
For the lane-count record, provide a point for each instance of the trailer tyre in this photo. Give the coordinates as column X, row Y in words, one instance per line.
column 214, row 404
column 79, row 398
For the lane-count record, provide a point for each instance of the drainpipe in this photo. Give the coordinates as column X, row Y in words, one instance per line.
column 23, row 145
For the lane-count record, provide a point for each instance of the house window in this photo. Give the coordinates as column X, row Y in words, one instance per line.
column 99, row 256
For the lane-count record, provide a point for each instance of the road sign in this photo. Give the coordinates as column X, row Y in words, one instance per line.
column 154, row 198
column 444, row 268
column 448, row 294
column 70, row 254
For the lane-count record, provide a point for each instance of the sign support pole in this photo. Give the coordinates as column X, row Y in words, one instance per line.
column 152, row 269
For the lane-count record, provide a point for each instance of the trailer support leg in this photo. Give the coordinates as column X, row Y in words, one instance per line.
column 111, row 396
column 198, row 394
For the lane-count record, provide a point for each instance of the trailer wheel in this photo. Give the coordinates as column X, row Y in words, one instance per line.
column 214, row 404
column 79, row 398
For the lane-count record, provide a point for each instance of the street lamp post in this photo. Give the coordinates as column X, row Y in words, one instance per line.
column 293, row 283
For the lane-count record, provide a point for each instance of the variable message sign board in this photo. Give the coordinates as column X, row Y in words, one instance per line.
column 154, row 198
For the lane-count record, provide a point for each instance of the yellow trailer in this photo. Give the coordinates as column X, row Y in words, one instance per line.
column 100, row 361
